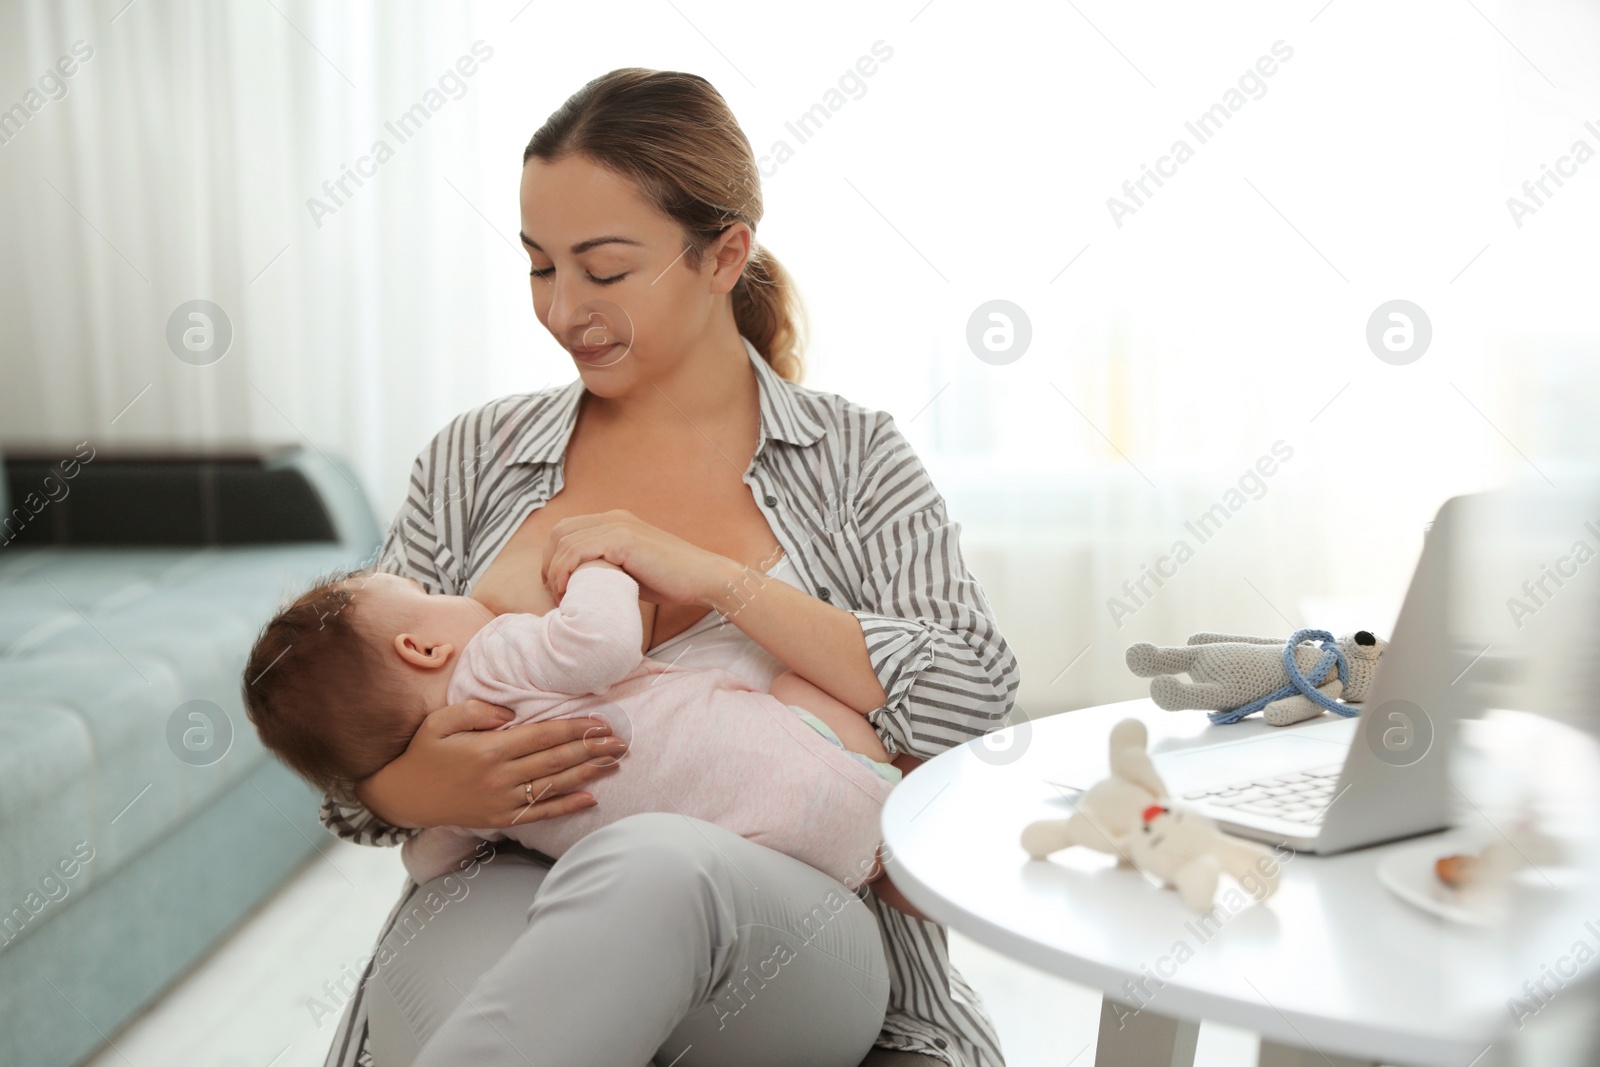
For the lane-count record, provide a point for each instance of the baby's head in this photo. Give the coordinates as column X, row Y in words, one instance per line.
column 341, row 678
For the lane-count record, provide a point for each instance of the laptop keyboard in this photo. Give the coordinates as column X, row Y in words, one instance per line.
column 1299, row 797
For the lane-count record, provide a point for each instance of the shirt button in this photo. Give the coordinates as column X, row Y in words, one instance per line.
column 770, row 500
column 941, row 1042
column 823, row 593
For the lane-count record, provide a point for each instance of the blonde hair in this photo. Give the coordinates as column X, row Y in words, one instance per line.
column 674, row 135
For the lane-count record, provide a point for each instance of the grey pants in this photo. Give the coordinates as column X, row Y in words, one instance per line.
column 660, row 939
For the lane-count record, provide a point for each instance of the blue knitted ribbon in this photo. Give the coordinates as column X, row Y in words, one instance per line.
column 1332, row 656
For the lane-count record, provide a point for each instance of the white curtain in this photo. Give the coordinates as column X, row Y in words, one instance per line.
column 182, row 164
column 1173, row 345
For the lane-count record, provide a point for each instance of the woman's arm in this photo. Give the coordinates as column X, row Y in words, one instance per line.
column 922, row 656
column 948, row 674
column 459, row 769
column 821, row 643
column 890, row 894
column 814, row 639
column 412, row 548
column 907, row 762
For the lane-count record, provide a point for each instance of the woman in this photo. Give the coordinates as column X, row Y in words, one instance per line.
column 770, row 527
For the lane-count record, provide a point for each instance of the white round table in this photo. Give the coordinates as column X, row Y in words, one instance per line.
column 1334, row 968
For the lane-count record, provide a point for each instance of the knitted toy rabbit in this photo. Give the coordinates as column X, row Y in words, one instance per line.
column 1185, row 851
column 1130, row 816
column 1232, row 674
column 1109, row 810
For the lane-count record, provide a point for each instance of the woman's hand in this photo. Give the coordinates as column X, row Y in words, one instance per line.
column 888, row 892
column 907, row 762
column 669, row 569
column 459, row 770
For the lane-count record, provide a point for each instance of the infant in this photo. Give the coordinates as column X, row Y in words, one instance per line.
column 341, row 679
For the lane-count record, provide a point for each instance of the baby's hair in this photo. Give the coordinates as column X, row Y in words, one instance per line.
column 321, row 693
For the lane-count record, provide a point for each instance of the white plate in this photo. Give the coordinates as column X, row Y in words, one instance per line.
column 1408, row 873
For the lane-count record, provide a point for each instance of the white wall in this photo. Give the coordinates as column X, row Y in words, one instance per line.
column 1168, row 353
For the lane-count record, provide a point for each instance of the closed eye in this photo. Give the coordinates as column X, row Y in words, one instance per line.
column 547, row 271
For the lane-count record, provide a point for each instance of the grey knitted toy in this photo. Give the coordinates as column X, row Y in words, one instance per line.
column 1229, row 671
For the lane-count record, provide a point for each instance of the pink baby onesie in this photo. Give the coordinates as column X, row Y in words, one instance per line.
column 701, row 742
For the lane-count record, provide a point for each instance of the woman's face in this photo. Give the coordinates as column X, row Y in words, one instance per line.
column 609, row 273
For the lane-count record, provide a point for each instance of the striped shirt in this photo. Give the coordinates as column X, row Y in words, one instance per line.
column 867, row 531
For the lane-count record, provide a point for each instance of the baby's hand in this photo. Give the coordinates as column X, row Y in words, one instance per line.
column 595, row 563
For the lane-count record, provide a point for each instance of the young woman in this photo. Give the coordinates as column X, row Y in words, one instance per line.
column 771, row 527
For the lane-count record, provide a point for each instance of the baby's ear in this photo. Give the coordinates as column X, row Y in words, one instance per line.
column 418, row 653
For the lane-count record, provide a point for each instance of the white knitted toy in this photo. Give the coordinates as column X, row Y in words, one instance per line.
column 1186, row 851
column 1108, row 811
column 1235, row 675
column 1130, row 816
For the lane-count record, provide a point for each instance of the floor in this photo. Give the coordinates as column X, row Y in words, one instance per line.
column 270, row 995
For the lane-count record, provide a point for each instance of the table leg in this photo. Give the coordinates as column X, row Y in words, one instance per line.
column 1276, row 1055
column 1130, row 1037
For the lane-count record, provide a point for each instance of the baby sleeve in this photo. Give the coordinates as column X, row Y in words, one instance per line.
column 437, row 850
column 585, row 645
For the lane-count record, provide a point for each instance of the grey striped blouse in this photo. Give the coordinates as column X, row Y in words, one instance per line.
column 853, row 507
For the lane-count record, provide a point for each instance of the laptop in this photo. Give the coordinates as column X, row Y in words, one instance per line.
column 1332, row 784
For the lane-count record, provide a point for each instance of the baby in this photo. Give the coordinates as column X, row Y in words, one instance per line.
column 341, row 679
